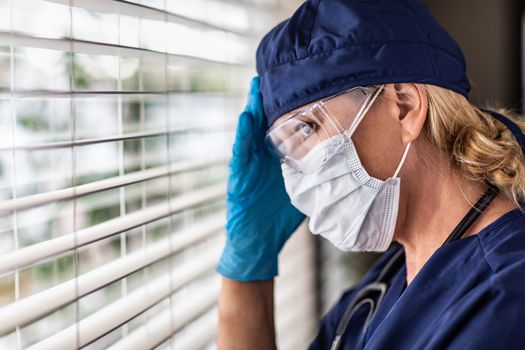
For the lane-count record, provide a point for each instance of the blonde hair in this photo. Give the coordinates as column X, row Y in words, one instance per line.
column 479, row 146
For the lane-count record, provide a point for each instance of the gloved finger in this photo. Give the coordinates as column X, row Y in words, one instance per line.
column 255, row 106
column 254, row 95
column 240, row 165
column 243, row 138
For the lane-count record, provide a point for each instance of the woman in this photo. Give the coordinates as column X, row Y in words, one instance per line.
column 365, row 105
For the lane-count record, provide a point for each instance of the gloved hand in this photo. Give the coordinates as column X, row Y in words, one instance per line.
column 260, row 217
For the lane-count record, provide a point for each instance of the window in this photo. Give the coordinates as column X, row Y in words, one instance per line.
column 116, row 124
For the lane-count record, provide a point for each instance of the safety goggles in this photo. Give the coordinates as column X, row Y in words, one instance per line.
column 328, row 124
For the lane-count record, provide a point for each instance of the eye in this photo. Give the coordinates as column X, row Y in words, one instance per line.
column 306, row 129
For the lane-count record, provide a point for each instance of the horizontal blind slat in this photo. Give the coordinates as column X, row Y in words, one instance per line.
column 132, row 9
column 123, row 137
column 197, row 334
column 39, row 94
column 157, row 330
column 106, row 184
column 98, row 48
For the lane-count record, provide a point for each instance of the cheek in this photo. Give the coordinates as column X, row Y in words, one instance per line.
column 378, row 143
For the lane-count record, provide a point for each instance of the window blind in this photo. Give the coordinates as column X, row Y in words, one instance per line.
column 116, row 122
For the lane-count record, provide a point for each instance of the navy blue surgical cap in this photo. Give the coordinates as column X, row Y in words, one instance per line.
column 328, row 46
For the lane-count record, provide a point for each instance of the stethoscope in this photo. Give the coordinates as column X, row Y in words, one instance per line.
column 379, row 286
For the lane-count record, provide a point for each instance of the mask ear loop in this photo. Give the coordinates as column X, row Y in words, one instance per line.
column 402, row 160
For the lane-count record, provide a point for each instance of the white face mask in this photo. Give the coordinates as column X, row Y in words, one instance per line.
column 351, row 209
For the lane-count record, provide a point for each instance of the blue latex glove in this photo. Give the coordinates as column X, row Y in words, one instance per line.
column 260, row 217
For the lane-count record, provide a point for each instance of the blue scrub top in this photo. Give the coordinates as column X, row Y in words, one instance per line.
column 469, row 295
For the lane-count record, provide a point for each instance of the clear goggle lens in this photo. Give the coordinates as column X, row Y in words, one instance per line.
column 327, row 124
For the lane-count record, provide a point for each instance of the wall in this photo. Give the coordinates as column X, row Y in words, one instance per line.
column 489, row 32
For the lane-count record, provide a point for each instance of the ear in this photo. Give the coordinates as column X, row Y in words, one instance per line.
column 412, row 102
